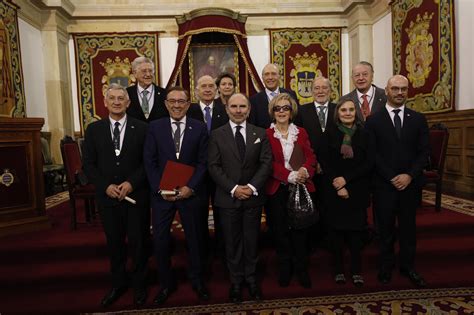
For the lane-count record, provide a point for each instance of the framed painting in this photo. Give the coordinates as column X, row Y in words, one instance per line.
column 212, row 59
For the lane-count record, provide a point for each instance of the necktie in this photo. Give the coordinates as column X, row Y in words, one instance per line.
column 365, row 106
column 322, row 116
column 177, row 136
column 397, row 122
column 145, row 105
column 239, row 140
column 272, row 95
column 116, row 138
column 208, row 118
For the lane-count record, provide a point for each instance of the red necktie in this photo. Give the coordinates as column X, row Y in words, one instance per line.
column 365, row 106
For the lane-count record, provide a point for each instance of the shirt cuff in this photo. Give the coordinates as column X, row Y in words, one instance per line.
column 233, row 191
column 292, row 177
column 255, row 193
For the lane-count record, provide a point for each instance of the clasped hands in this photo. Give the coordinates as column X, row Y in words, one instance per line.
column 119, row 191
column 401, row 181
column 338, row 183
column 183, row 193
column 243, row 192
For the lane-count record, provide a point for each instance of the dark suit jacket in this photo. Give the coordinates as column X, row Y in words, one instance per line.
column 103, row 168
column 259, row 112
column 380, row 99
column 158, row 110
column 397, row 156
column 219, row 115
column 227, row 169
column 159, row 148
column 307, row 118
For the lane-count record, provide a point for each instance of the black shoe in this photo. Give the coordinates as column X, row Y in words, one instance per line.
column 113, row 295
column 304, row 279
column 414, row 277
column 139, row 297
column 163, row 295
column 384, row 276
column 235, row 293
column 201, row 292
column 255, row 292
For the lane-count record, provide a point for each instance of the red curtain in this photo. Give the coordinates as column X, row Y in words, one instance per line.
column 218, row 26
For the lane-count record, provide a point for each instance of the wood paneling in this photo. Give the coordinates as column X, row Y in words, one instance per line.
column 22, row 205
column 459, row 168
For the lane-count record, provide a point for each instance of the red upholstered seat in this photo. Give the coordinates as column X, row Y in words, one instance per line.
column 439, row 136
column 73, row 166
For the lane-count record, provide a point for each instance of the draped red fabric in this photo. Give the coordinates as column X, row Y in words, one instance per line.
column 234, row 25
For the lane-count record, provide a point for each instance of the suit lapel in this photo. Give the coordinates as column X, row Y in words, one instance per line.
column 136, row 100
column 128, row 136
column 187, row 132
column 250, row 138
column 216, row 116
column 389, row 122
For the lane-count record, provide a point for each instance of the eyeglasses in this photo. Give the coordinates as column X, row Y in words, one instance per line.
column 174, row 102
column 146, row 71
column 118, row 98
column 285, row 108
column 396, row 89
column 361, row 75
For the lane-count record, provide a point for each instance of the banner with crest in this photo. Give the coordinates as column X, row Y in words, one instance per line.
column 424, row 52
column 102, row 59
column 304, row 54
column 12, row 93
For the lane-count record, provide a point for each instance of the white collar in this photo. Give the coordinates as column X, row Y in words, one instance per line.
column 149, row 89
column 203, row 106
column 233, row 124
column 317, row 104
column 369, row 93
column 277, row 91
column 391, row 108
column 183, row 120
column 293, row 132
column 121, row 121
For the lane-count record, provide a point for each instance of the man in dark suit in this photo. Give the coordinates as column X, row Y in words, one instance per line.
column 113, row 162
column 213, row 114
column 316, row 117
column 147, row 100
column 368, row 98
column 259, row 115
column 402, row 149
column 240, row 161
column 182, row 139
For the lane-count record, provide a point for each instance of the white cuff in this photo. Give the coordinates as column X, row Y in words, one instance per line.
column 255, row 193
column 233, row 191
column 292, row 177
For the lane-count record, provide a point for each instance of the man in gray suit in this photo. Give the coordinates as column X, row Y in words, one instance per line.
column 367, row 97
column 240, row 161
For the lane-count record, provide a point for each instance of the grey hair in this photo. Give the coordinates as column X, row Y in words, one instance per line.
column 140, row 60
column 116, row 86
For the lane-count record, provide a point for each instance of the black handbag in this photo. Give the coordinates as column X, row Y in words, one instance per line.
column 301, row 210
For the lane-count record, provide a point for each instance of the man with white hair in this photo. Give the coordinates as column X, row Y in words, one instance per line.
column 147, row 100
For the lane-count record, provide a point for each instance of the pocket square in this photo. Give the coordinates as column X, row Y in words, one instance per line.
column 257, row 141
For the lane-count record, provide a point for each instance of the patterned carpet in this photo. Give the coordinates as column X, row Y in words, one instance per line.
column 433, row 301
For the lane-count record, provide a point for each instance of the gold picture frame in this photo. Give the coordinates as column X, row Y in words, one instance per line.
column 212, row 59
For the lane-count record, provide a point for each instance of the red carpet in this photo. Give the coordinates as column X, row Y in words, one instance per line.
column 65, row 272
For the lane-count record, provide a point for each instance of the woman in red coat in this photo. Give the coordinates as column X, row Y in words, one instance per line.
column 291, row 244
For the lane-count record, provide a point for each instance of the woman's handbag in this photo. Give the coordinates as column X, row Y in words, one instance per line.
column 301, row 210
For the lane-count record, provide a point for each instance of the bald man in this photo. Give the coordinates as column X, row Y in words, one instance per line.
column 402, row 149
column 271, row 79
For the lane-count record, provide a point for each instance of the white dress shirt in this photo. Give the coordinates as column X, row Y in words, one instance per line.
column 151, row 96
column 392, row 114
column 123, row 123
column 182, row 126
column 370, row 97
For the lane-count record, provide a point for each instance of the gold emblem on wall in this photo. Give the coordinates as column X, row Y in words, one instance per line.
column 7, row 178
column 302, row 75
column 117, row 71
column 419, row 50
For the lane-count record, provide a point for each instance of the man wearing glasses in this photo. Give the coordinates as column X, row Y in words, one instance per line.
column 147, row 100
column 183, row 140
column 367, row 97
column 402, row 148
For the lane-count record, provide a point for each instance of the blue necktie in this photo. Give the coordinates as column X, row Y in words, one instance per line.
column 208, row 118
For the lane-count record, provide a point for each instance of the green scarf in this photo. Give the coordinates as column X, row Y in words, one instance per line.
column 346, row 146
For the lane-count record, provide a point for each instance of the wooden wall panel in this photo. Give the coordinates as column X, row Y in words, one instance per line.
column 459, row 168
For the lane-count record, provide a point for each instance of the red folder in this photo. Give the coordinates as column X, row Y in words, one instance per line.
column 297, row 158
column 175, row 176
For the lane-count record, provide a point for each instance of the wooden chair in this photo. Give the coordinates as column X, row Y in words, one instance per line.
column 439, row 136
column 73, row 166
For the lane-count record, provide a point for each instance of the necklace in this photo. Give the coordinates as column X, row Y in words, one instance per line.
column 284, row 134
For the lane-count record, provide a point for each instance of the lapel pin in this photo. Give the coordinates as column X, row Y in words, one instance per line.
column 254, row 134
column 190, row 127
column 133, row 127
